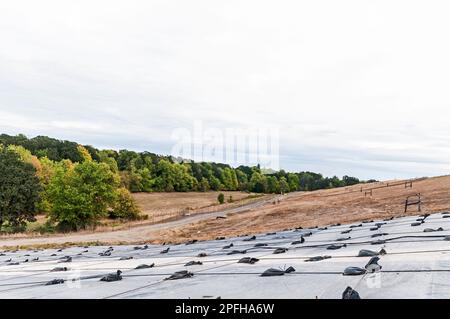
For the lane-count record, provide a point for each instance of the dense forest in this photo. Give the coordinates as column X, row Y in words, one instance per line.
column 148, row 172
column 78, row 185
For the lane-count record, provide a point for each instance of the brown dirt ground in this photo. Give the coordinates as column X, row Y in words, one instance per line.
column 306, row 209
column 152, row 204
column 165, row 210
column 163, row 207
column 321, row 208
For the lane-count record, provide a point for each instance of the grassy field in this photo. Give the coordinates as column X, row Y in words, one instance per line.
column 172, row 204
column 161, row 207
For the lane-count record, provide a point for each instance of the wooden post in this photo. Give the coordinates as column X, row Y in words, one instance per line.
column 368, row 192
column 418, row 202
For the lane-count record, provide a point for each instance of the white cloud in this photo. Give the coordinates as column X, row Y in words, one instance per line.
column 356, row 87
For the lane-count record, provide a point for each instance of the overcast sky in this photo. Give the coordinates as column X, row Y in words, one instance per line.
column 356, row 87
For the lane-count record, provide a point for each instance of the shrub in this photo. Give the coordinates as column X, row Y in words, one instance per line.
column 221, row 198
column 124, row 207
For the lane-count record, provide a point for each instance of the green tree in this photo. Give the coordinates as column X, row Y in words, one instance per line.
column 26, row 156
column 272, row 185
column 124, row 206
column 242, row 180
column 215, row 183
column 108, row 158
column 203, row 185
column 284, row 186
column 229, row 179
column 146, row 181
column 165, row 180
column 258, row 183
column 81, row 193
column 335, row 182
column 19, row 190
column 45, row 174
column 135, row 180
column 84, row 153
column 293, row 181
column 125, row 158
column 348, row 180
column 183, row 179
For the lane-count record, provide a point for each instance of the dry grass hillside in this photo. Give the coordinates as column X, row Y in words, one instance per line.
column 253, row 215
column 168, row 205
column 322, row 208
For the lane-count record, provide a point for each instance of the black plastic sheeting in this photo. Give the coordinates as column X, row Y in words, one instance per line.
column 417, row 223
column 248, row 260
column 145, row 266
column 378, row 242
column 370, row 253
column 140, row 248
column 317, row 258
column 430, row 230
column 350, row 293
column 180, row 275
column 250, row 238
column 335, row 247
column 271, row 272
column 379, row 235
column 112, row 277
column 354, row 271
column 297, row 242
column 193, row 263
column 236, row 252
column 55, row 282
column 280, row 250
column 126, row 258
column 261, row 245
column 165, row 251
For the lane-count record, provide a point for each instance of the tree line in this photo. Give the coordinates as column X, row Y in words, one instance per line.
column 78, row 185
column 74, row 195
column 149, row 172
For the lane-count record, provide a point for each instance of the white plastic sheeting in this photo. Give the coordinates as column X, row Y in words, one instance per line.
column 417, row 265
